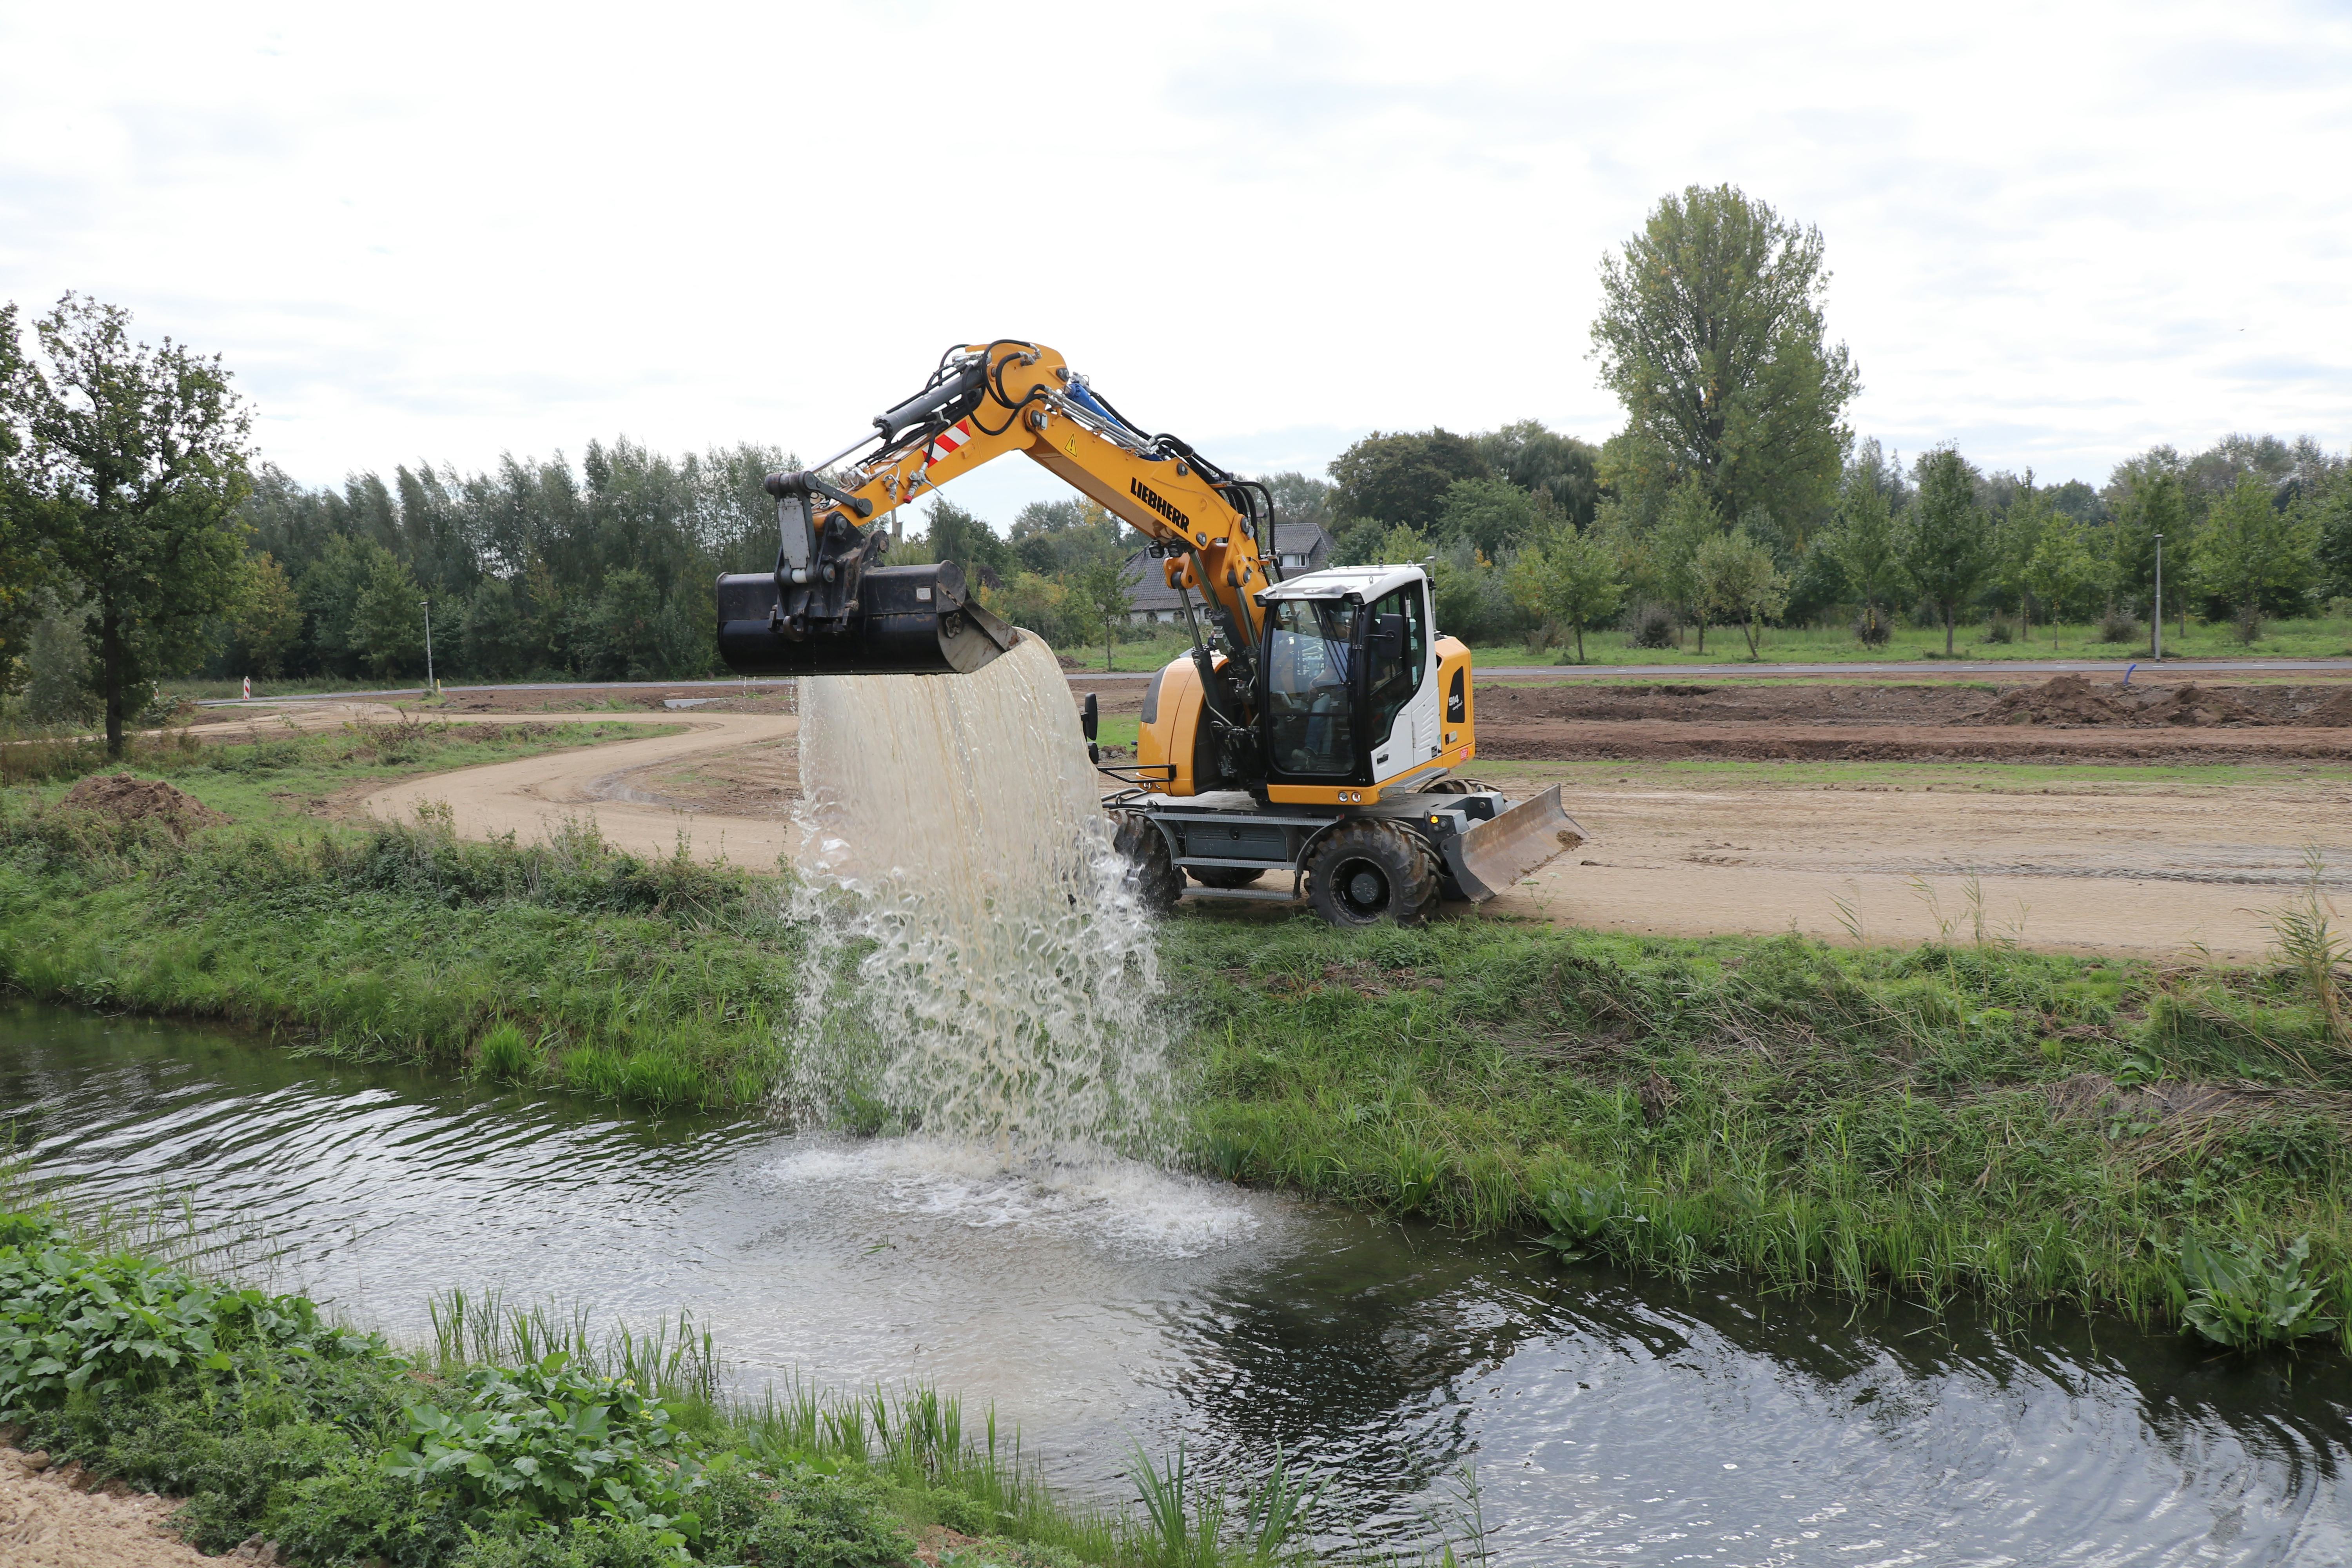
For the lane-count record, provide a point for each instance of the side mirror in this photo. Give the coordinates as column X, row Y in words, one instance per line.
column 1387, row 639
column 1089, row 720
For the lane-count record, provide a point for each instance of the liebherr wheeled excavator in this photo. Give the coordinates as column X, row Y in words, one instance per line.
column 1315, row 728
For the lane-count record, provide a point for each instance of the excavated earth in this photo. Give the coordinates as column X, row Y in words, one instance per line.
column 2064, row 720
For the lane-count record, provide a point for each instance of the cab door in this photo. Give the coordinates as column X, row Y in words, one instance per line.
column 1401, row 691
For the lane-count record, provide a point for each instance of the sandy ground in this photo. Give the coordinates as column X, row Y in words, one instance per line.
column 2151, row 869
column 47, row 1522
column 616, row 784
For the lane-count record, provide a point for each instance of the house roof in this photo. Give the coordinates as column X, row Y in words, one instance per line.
column 1148, row 586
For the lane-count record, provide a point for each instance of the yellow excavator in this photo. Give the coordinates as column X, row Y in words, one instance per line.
column 1316, row 726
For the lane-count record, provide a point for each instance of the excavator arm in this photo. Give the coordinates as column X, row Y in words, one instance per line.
column 833, row 606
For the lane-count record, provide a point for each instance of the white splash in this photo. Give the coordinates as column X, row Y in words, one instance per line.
column 1122, row 1206
column 975, row 969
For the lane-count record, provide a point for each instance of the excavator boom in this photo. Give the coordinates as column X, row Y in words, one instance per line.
column 832, row 606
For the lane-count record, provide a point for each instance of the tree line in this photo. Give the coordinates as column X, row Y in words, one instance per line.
column 140, row 536
column 1736, row 496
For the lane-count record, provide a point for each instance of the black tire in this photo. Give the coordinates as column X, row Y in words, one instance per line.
column 1223, row 875
column 1151, row 873
column 1367, row 870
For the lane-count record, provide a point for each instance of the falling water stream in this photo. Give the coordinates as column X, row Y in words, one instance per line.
column 975, row 970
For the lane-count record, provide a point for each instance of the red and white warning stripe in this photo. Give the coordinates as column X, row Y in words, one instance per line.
column 950, row 438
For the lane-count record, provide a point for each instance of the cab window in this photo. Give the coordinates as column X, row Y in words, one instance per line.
column 1397, row 644
column 1309, row 649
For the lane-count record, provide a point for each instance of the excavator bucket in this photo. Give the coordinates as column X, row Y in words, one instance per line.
column 1492, row 855
column 903, row 620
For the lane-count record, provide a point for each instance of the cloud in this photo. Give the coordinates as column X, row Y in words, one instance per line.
column 1272, row 227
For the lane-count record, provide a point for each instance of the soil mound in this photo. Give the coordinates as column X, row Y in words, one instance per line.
column 2336, row 711
column 2061, row 700
column 2197, row 705
column 135, row 799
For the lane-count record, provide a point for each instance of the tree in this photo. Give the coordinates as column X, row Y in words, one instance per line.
column 1865, row 541
column 266, row 618
column 1491, row 515
column 624, row 639
column 495, row 638
column 1690, row 521
column 2014, row 539
column 139, row 459
column 1568, row 576
column 1738, row 582
column 1403, row 477
column 1545, row 463
column 387, row 628
column 1299, row 499
column 2059, row 568
column 25, row 561
column 1100, row 589
column 2152, row 501
column 2253, row 555
column 1710, row 333
column 1944, row 542
column 957, row 535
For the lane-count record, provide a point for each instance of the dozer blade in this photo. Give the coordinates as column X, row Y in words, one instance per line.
column 1492, row 855
column 905, row 620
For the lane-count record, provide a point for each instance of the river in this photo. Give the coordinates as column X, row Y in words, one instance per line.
column 1604, row 1417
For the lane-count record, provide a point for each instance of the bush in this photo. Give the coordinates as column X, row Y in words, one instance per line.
column 2248, row 1295
column 2121, row 626
column 1651, row 625
column 550, row 1443
column 1871, row 629
column 2248, row 624
column 71, row 1323
column 2001, row 629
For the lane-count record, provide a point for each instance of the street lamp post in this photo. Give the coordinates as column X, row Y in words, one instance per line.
column 2157, row 620
column 429, row 685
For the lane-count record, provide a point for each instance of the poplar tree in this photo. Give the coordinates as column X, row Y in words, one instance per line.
column 1710, row 333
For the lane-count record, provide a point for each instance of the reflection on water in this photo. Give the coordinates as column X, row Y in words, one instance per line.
column 1605, row 1417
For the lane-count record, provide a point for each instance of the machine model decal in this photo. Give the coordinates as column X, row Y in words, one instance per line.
column 1158, row 503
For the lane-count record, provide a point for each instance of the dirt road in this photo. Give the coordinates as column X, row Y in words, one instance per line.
column 2146, row 870
column 2113, row 862
column 612, row 783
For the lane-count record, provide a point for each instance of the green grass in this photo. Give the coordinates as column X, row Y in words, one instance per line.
column 267, row 774
column 519, row 1438
column 1919, row 1122
column 2317, row 637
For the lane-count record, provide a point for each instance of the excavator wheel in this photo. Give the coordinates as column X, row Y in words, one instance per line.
column 1151, row 872
column 1368, row 869
column 1223, row 875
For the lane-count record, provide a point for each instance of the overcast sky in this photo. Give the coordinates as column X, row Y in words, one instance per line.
column 2059, row 233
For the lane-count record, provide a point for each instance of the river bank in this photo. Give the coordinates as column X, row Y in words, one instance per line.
column 514, row 1441
column 2034, row 1129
